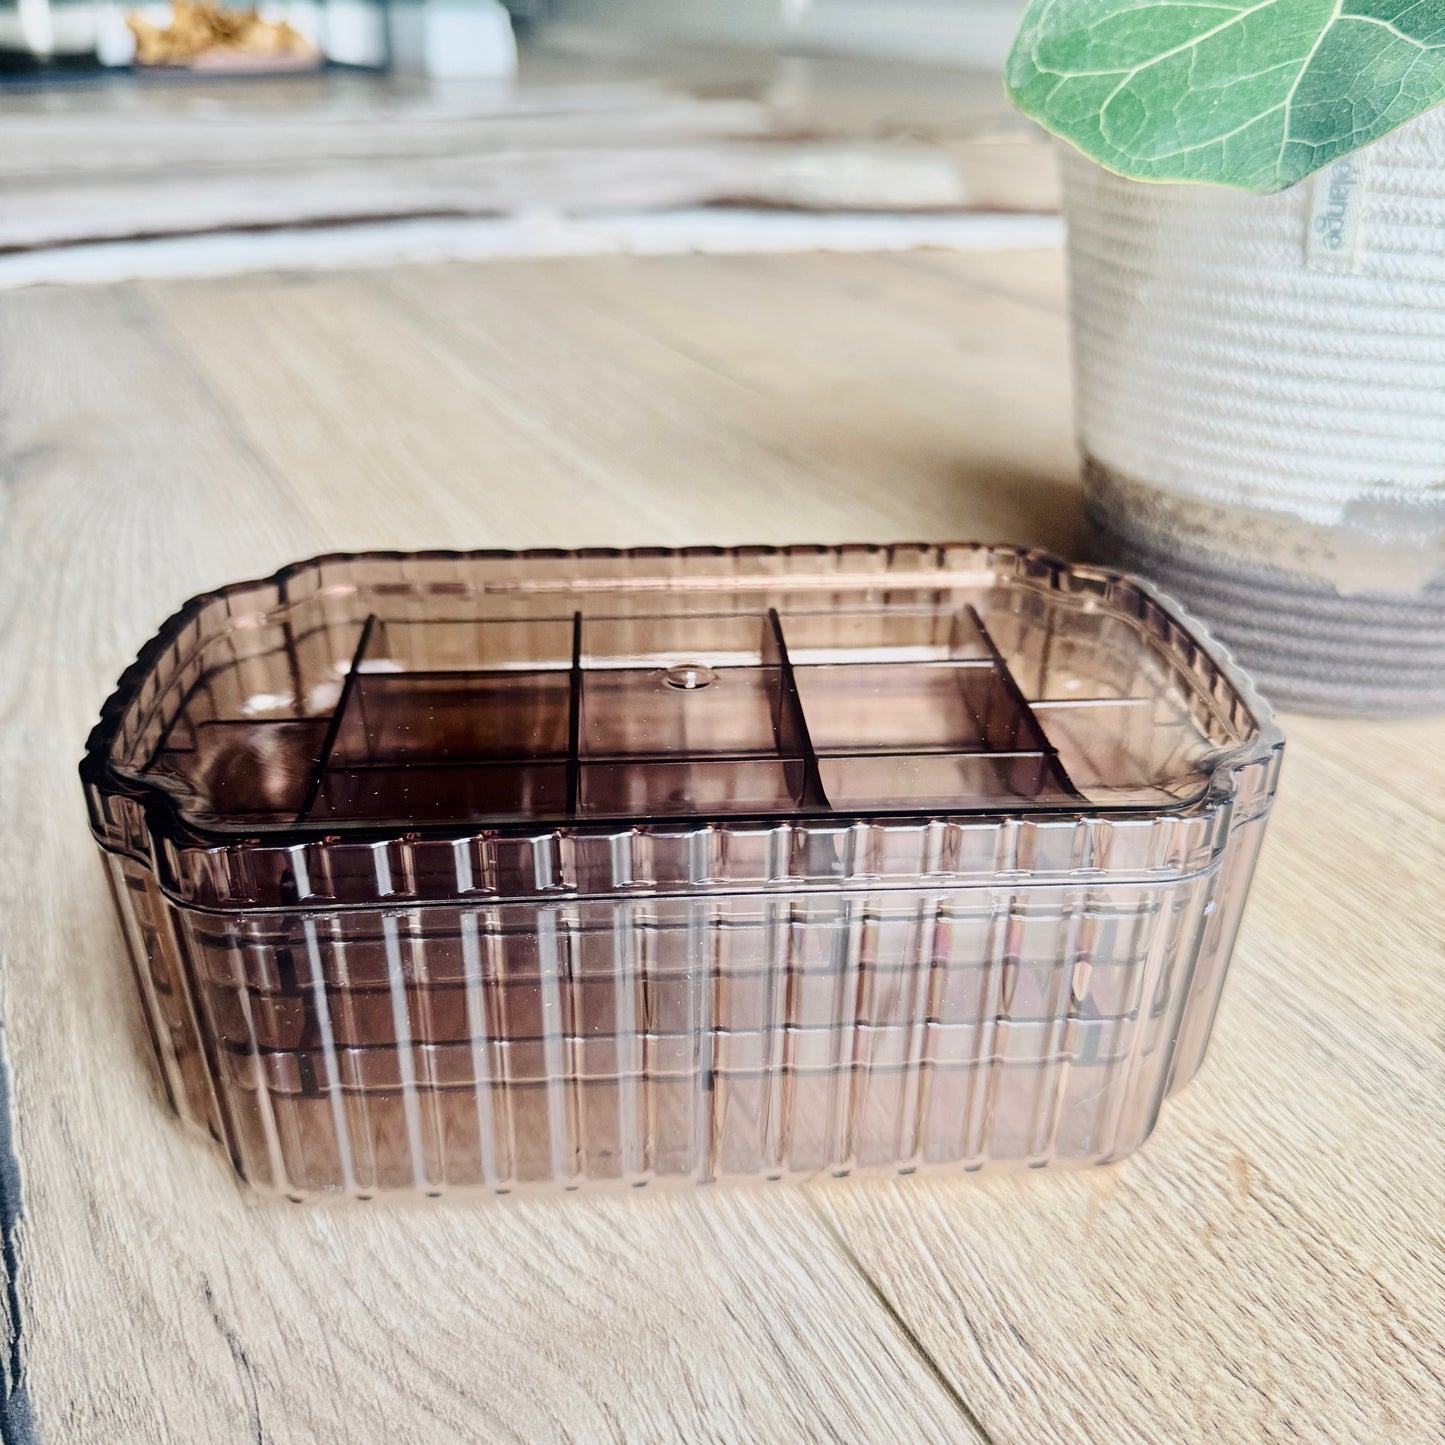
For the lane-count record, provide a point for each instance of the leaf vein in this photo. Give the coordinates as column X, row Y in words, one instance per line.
column 1184, row 45
column 1285, row 137
column 1320, row 86
column 1394, row 30
column 1217, row 139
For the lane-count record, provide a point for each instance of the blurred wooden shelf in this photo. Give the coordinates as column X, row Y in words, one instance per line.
column 575, row 136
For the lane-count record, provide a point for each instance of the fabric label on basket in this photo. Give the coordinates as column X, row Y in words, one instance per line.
column 1332, row 242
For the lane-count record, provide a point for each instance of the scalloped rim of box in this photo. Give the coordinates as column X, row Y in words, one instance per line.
column 165, row 824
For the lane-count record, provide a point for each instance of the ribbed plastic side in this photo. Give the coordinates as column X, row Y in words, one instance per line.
column 163, row 977
column 434, row 1049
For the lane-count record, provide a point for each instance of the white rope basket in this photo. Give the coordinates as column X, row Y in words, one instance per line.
column 1261, row 407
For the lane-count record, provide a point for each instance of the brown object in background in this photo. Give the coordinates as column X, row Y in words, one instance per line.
column 204, row 35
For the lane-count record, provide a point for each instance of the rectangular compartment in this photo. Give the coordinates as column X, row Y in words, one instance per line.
column 905, row 707
column 933, row 780
column 495, row 872
column 432, row 717
column 428, row 793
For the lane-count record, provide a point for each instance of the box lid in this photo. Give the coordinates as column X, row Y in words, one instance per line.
column 389, row 726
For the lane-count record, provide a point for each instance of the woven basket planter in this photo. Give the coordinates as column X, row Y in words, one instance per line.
column 1261, row 409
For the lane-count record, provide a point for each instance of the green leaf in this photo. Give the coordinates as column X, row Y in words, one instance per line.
column 1255, row 94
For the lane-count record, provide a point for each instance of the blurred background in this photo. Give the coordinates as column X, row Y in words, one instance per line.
column 789, row 124
column 76, row 35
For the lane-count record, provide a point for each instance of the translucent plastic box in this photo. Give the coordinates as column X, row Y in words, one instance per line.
column 480, row 872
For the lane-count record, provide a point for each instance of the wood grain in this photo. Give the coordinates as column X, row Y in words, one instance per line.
column 677, row 400
column 1269, row 1266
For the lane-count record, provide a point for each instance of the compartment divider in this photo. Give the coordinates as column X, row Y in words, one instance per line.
column 353, row 671
column 163, row 743
column 789, row 723
column 455, row 674
column 574, row 721
column 1016, row 696
column 293, row 656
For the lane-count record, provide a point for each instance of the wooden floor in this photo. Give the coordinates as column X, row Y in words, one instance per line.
column 1268, row 1268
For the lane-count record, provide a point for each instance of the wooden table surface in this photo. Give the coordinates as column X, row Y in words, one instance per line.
column 1268, row 1268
